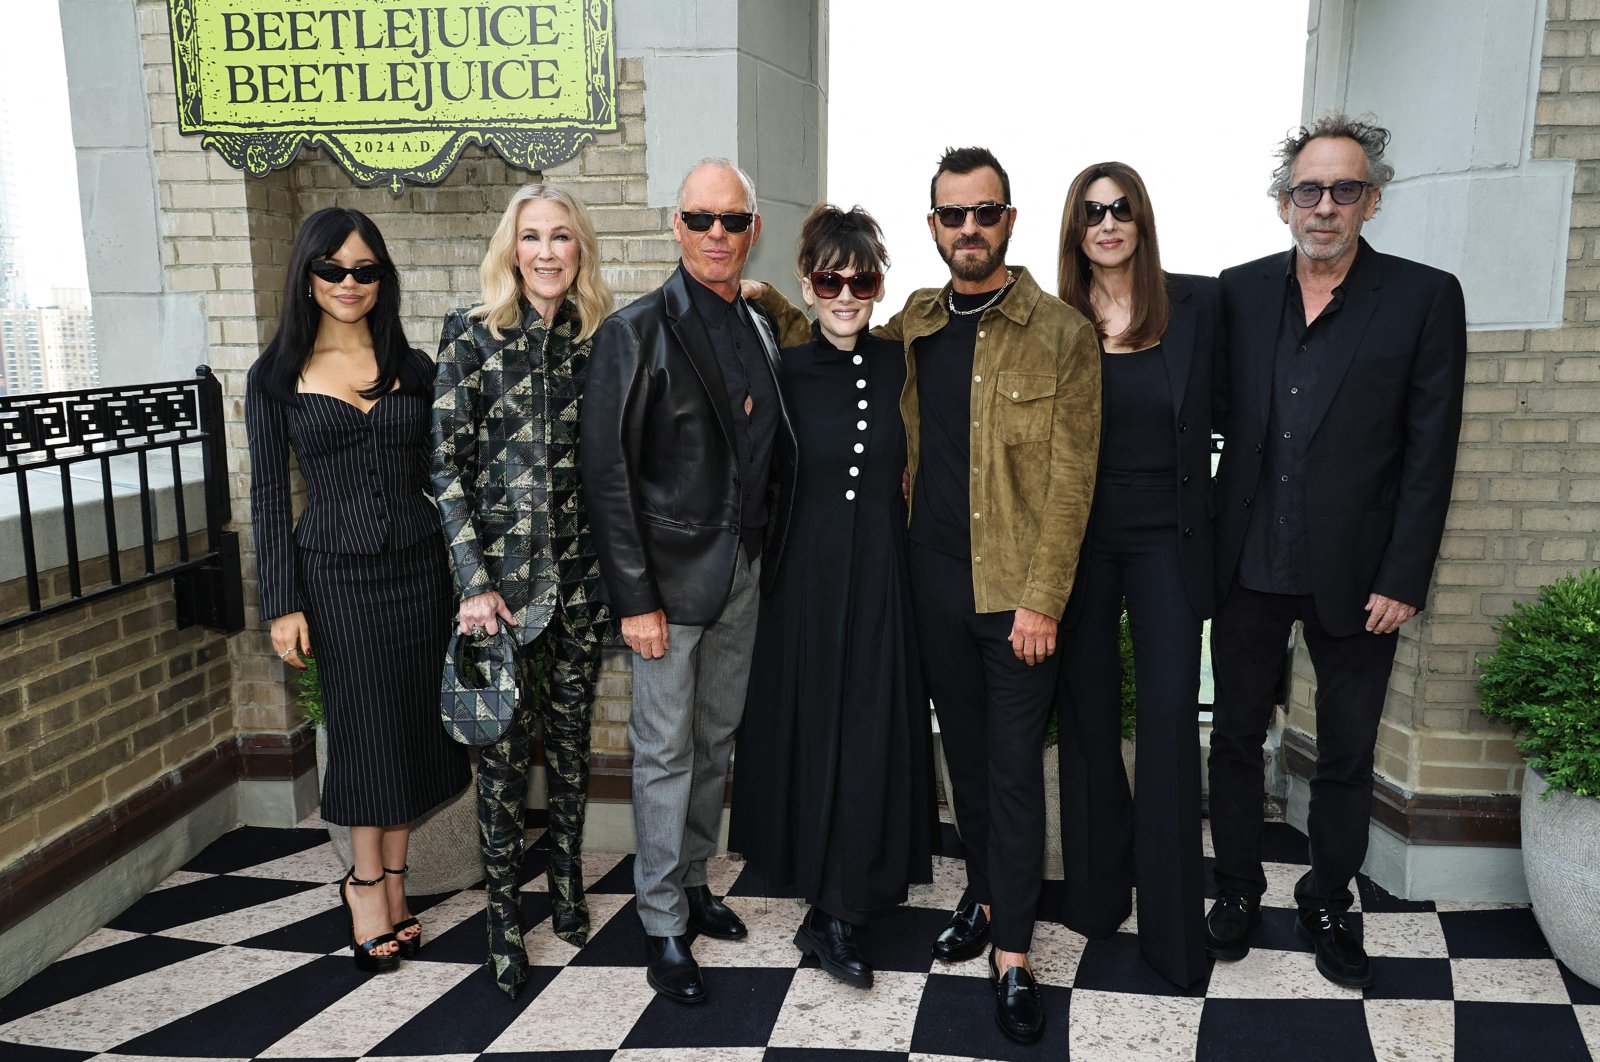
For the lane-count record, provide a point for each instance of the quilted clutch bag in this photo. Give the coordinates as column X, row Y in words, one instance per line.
column 479, row 692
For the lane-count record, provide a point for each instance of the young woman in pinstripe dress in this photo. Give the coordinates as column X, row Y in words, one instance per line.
column 362, row 576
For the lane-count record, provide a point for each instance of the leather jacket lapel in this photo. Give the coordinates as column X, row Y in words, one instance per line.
column 1346, row 329
column 691, row 334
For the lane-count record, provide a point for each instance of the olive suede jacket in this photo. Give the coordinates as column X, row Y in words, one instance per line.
column 1035, row 434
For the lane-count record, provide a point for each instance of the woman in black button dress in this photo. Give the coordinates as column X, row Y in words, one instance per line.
column 832, row 782
column 1149, row 542
column 361, row 580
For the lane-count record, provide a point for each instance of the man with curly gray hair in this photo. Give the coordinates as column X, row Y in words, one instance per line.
column 1340, row 405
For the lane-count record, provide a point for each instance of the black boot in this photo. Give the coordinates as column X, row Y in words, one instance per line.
column 508, row 958
column 711, row 917
column 672, row 971
column 833, row 941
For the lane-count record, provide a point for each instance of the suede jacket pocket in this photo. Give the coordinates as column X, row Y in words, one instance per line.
column 1023, row 407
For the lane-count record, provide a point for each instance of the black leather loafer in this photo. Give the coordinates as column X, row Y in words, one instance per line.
column 1229, row 923
column 965, row 936
column 1340, row 956
column 833, row 942
column 672, row 970
column 1018, row 1006
column 711, row 917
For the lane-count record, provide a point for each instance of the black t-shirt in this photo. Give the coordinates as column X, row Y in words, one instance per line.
column 1136, row 405
column 941, row 507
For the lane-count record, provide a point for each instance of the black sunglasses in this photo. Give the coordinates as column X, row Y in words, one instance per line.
column 1096, row 212
column 334, row 273
column 702, row 220
column 864, row 285
column 1306, row 196
column 953, row 216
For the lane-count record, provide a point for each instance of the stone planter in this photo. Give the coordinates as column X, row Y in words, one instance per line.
column 443, row 853
column 1561, row 858
column 1054, row 867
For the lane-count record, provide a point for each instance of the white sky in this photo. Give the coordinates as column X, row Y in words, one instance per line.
column 33, row 81
column 1194, row 95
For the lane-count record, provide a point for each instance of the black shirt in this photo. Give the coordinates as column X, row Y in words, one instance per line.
column 1136, row 409
column 747, row 375
column 1275, row 557
column 941, row 506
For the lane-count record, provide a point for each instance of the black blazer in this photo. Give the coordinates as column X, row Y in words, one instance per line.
column 1186, row 347
column 660, row 476
column 366, row 479
column 1385, row 423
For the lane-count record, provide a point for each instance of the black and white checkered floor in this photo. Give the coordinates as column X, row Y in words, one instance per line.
column 239, row 956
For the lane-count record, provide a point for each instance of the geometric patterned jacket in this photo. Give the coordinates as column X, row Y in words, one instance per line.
column 505, row 466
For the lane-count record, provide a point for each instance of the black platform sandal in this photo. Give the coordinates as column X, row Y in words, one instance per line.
column 366, row 961
column 409, row 946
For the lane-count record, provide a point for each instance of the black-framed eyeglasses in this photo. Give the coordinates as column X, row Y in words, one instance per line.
column 953, row 215
column 1096, row 212
column 702, row 220
column 863, row 285
column 334, row 273
column 1306, row 196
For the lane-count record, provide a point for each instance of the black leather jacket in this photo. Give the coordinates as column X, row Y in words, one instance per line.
column 660, row 477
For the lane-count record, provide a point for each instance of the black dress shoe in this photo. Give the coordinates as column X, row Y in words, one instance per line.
column 711, row 917
column 1340, row 956
column 833, row 942
column 672, row 970
column 965, row 936
column 1229, row 923
column 1018, row 1007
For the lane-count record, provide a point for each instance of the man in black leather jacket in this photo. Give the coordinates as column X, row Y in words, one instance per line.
column 688, row 459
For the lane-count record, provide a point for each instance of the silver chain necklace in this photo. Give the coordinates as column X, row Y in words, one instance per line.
column 950, row 299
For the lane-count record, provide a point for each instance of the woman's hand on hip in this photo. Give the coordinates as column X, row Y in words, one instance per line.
column 484, row 611
column 291, row 637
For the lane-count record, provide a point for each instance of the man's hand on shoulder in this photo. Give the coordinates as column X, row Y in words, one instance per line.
column 1033, row 636
column 1385, row 615
column 646, row 634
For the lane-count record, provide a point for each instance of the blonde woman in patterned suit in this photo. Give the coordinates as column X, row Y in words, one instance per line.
column 505, row 472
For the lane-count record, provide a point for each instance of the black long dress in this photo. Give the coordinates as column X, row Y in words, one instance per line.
column 833, row 792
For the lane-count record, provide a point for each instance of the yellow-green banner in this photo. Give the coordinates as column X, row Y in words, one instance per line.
column 392, row 90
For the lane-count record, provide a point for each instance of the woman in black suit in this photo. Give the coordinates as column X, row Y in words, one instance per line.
column 1149, row 542
column 363, row 575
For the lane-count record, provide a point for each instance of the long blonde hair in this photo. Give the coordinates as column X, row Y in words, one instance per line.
column 502, row 285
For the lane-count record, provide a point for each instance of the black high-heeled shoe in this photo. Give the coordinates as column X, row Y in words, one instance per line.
column 409, row 946
column 366, row 960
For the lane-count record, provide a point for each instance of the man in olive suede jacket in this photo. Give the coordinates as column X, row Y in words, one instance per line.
column 1002, row 414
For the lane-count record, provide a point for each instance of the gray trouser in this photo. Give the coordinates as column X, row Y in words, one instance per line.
column 686, row 708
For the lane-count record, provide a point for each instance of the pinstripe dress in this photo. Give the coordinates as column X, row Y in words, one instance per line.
column 366, row 563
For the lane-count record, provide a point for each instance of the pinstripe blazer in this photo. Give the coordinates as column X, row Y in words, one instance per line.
column 366, row 477
column 505, row 466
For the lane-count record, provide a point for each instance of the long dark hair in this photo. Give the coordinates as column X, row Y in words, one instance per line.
column 322, row 234
column 1148, row 321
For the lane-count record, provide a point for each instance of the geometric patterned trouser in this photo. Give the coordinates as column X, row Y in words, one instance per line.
column 559, row 673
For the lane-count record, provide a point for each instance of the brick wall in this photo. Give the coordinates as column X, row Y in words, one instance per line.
column 100, row 701
column 227, row 236
column 1524, row 509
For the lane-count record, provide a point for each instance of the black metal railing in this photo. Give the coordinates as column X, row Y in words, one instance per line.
column 143, row 428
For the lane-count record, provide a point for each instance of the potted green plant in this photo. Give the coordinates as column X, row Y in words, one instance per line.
column 1543, row 680
column 443, row 853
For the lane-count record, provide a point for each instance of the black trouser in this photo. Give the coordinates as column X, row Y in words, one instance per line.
column 992, row 712
column 1109, row 841
column 1247, row 640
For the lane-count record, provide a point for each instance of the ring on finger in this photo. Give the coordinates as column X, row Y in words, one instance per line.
column 286, row 653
